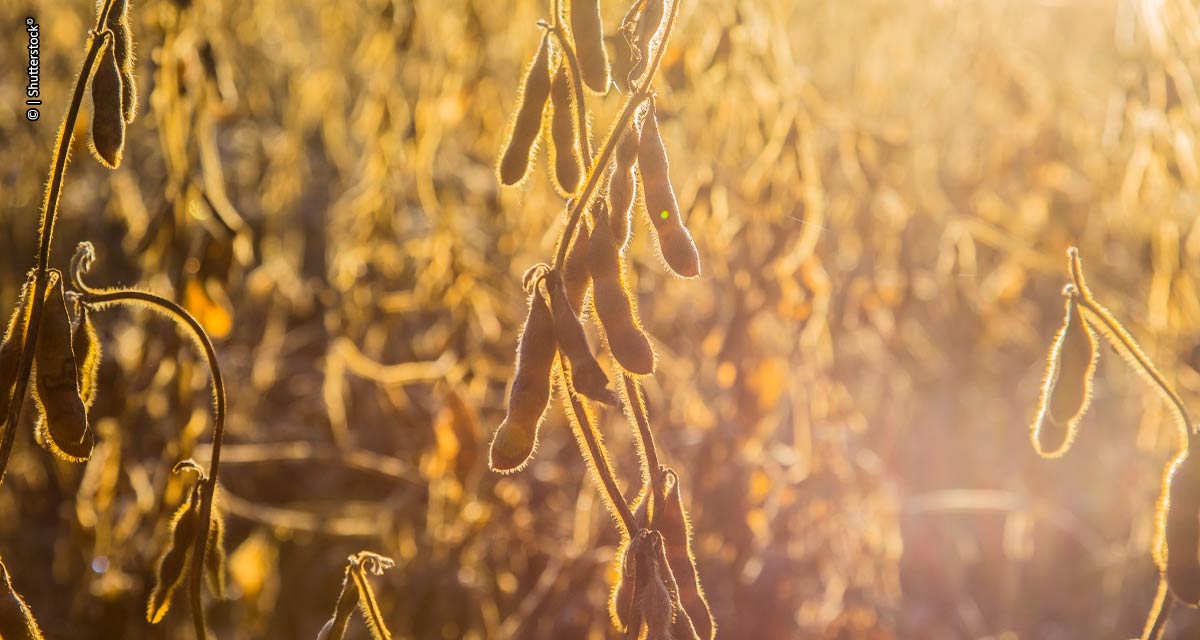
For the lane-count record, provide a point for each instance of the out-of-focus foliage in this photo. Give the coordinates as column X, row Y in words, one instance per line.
column 881, row 193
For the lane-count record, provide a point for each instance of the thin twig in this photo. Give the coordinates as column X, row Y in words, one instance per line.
column 1126, row 341
column 641, row 420
column 1156, row 621
column 599, row 457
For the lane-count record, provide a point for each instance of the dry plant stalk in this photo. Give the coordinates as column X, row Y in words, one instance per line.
column 356, row 590
column 16, row 621
column 1066, row 393
column 646, row 601
column 197, row 529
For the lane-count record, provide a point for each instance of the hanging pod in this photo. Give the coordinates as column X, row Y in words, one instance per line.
column 527, row 123
column 108, row 114
column 674, row 241
column 589, row 44
column 516, row 437
column 62, row 425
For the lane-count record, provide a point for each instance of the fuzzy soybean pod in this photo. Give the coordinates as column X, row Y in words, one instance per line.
column 119, row 23
column 622, row 60
column 674, row 242
column 108, row 115
column 586, row 373
column 589, row 44
column 676, row 529
column 622, row 598
column 514, row 162
column 516, row 438
column 564, row 133
column 628, row 342
column 86, row 346
column 1182, row 530
column 576, row 277
column 185, row 526
column 622, row 185
column 62, row 417
column 647, row 27
column 1067, row 388
column 655, row 587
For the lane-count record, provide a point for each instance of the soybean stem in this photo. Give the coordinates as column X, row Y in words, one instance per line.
column 184, row 319
column 58, row 172
column 1125, row 340
column 599, row 458
column 637, row 407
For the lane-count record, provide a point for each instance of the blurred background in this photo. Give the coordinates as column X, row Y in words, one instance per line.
column 882, row 194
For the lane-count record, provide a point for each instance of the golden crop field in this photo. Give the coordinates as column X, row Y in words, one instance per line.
column 628, row 319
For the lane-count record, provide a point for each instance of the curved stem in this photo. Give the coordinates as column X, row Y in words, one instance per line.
column 1125, row 340
column 107, row 297
column 58, row 172
column 635, row 99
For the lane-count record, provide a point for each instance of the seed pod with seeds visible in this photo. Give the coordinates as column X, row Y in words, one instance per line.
column 527, row 124
column 62, row 417
column 576, row 277
column 564, row 132
column 589, row 44
column 119, row 23
column 86, row 347
column 611, row 298
column 647, row 27
column 676, row 528
column 108, row 116
column 16, row 621
column 1182, row 530
column 622, row 185
column 674, row 242
column 516, row 438
column 10, row 350
column 586, row 373
column 1067, row 388
column 185, row 526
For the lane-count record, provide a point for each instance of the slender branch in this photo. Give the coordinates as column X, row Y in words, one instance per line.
column 108, row 297
column 1126, row 341
column 633, row 393
column 1160, row 610
column 599, row 456
column 58, row 172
